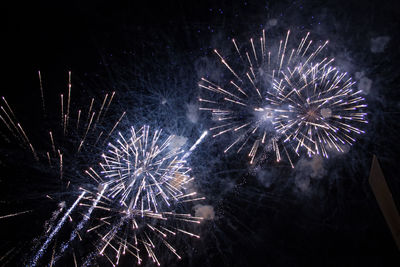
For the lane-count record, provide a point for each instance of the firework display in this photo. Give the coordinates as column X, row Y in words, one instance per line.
column 281, row 100
column 252, row 107
column 198, row 133
column 140, row 195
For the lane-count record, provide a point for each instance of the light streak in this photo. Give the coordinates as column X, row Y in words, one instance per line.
column 81, row 224
column 14, row 214
column 43, row 248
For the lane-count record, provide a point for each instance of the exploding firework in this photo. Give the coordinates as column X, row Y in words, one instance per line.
column 148, row 182
column 143, row 184
column 242, row 108
column 319, row 109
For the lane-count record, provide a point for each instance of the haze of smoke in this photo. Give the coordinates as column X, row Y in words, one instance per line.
column 192, row 112
column 364, row 83
column 177, row 142
column 379, row 44
column 307, row 169
column 205, row 211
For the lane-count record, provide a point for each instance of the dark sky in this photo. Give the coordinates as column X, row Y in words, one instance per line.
column 137, row 47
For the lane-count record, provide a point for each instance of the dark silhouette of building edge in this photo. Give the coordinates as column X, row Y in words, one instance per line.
column 385, row 200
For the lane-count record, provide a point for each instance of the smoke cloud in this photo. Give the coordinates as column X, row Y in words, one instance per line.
column 205, row 211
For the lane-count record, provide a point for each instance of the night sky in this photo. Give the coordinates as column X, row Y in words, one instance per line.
column 153, row 54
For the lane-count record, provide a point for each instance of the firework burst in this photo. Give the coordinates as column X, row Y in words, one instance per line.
column 144, row 182
column 242, row 107
column 144, row 188
column 318, row 109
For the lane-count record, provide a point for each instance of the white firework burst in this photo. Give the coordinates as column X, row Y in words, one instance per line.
column 147, row 183
column 318, row 109
column 245, row 107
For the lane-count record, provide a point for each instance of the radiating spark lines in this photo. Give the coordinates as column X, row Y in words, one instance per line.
column 148, row 182
column 321, row 109
column 72, row 127
column 141, row 204
column 249, row 109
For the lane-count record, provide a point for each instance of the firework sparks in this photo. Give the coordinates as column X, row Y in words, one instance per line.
column 76, row 130
column 147, row 181
column 14, row 214
column 144, row 186
column 242, row 107
column 320, row 109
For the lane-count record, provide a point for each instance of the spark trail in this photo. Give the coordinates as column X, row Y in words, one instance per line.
column 43, row 248
column 14, row 214
column 80, row 226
